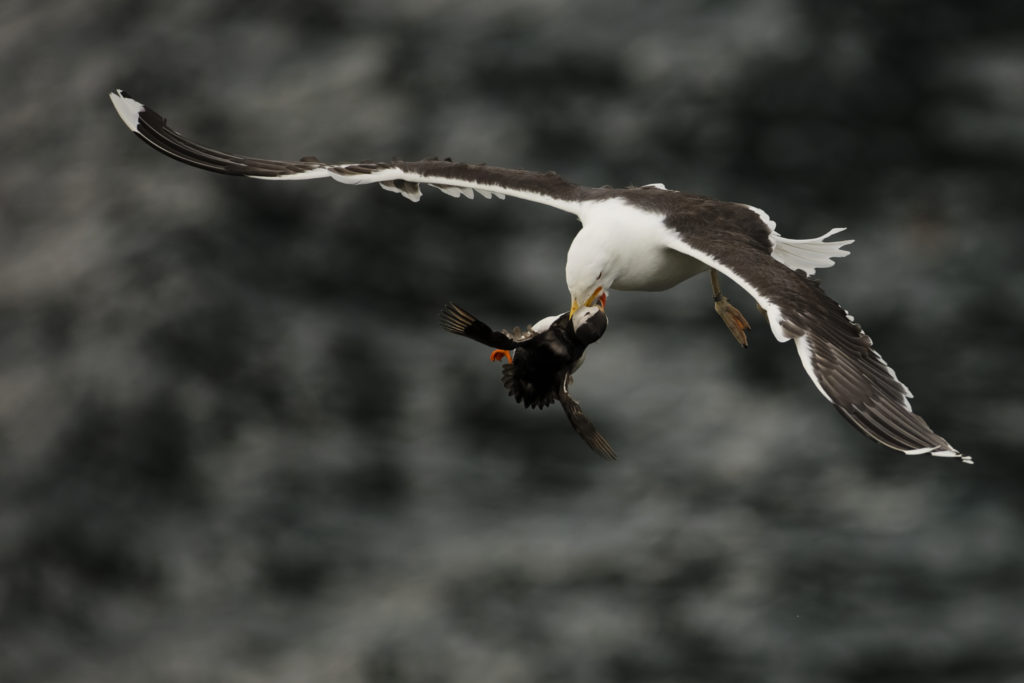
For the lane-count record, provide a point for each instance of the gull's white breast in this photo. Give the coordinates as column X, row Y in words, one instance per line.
column 633, row 244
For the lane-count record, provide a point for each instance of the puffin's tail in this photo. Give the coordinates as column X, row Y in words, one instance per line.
column 529, row 385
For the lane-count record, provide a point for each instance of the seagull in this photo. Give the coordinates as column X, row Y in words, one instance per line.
column 647, row 238
column 542, row 360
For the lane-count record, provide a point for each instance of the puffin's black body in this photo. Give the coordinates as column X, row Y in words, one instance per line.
column 543, row 360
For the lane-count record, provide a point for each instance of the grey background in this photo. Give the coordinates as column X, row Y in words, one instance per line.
column 235, row 445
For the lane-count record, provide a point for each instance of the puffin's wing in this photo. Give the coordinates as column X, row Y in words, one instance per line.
column 583, row 426
column 521, row 336
column 404, row 177
column 834, row 350
column 459, row 321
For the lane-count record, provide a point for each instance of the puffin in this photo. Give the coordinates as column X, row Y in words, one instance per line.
column 541, row 360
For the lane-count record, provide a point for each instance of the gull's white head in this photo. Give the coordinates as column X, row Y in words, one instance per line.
column 588, row 275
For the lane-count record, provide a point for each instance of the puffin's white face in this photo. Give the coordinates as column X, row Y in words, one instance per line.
column 589, row 323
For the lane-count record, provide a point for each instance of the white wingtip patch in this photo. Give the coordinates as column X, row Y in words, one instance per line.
column 127, row 108
column 943, row 453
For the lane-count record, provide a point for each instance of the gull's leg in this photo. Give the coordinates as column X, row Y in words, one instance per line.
column 729, row 314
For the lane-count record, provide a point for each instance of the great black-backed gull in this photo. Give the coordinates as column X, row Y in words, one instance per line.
column 645, row 238
column 542, row 359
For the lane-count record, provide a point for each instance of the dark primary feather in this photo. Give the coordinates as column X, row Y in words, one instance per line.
column 455, row 178
column 583, row 426
column 155, row 132
column 844, row 363
column 458, row 321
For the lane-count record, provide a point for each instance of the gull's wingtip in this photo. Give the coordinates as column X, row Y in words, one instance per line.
column 954, row 453
column 127, row 108
column 944, row 451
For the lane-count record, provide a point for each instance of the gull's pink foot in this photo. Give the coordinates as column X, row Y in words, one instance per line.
column 733, row 319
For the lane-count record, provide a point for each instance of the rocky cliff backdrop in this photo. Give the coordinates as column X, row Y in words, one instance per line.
column 236, row 446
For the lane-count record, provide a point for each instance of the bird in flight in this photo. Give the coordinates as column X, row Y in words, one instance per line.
column 541, row 360
column 644, row 238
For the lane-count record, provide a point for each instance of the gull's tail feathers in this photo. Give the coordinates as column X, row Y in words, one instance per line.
column 810, row 254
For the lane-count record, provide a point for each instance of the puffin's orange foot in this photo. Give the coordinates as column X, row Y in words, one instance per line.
column 498, row 354
column 733, row 319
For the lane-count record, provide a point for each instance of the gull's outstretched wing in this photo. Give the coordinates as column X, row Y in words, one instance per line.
column 403, row 177
column 834, row 350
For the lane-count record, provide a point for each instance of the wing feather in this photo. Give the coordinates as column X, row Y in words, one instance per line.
column 459, row 321
column 404, row 177
column 582, row 424
column 833, row 349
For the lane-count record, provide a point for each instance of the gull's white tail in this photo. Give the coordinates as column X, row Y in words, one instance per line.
column 810, row 254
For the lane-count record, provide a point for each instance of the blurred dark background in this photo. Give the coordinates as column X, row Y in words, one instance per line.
column 236, row 446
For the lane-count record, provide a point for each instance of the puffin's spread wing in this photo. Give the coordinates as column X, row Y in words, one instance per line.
column 459, row 321
column 834, row 350
column 583, row 426
column 404, row 177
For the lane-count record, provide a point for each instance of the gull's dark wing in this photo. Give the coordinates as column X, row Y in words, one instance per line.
column 404, row 177
column 836, row 353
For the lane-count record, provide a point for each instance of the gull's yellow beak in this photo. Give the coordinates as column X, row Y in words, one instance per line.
column 598, row 295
